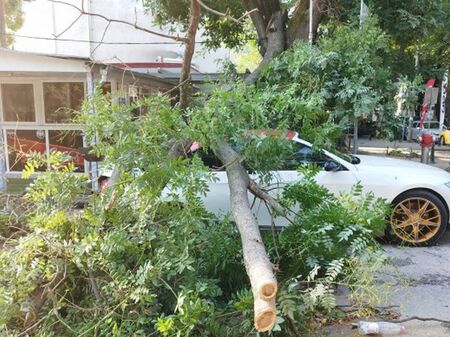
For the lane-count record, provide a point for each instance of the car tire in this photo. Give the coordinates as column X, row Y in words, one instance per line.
column 418, row 218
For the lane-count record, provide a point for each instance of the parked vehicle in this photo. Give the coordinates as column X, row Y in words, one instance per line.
column 419, row 194
column 444, row 138
column 430, row 127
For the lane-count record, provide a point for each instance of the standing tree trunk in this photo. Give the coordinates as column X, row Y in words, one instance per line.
column 298, row 27
column 188, row 54
column 275, row 35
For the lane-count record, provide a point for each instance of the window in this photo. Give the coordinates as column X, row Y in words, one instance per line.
column 61, row 100
column 18, row 103
column 20, row 143
column 69, row 142
column 303, row 154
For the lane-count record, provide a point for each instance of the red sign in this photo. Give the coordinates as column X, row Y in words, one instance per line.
column 423, row 114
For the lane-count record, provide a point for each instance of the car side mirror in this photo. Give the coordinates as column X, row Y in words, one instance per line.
column 331, row 166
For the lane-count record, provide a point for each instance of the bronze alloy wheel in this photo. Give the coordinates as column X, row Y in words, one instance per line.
column 416, row 220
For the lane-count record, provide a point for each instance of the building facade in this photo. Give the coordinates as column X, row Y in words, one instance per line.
column 40, row 96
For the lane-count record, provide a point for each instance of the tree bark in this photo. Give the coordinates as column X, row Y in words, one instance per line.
column 298, row 26
column 188, row 54
column 257, row 264
column 259, row 23
column 40, row 296
column 275, row 33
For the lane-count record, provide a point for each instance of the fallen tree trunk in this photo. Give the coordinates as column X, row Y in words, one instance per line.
column 257, row 264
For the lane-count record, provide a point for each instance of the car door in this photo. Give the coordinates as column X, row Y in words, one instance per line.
column 340, row 180
column 217, row 200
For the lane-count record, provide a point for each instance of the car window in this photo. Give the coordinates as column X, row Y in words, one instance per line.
column 210, row 160
column 434, row 125
column 303, row 154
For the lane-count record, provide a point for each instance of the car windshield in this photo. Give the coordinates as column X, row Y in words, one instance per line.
column 304, row 154
column 309, row 155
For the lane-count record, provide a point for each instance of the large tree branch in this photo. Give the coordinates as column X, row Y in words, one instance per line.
column 271, row 202
column 226, row 15
column 82, row 11
column 258, row 266
column 258, row 22
column 40, row 295
column 269, row 7
column 188, row 53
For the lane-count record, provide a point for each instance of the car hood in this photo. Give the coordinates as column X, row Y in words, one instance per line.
column 400, row 166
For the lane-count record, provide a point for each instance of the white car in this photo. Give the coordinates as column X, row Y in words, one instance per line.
column 419, row 194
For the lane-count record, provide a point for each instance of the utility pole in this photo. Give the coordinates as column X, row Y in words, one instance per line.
column 311, row 9
column 2, row 24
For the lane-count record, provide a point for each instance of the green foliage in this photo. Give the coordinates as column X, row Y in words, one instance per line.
column 145, row 257
column 248, row 58
column 339, row 79
column 407, row 93
column 415, row 28
column 327, row 227
column 13, row 17
column 218, row 30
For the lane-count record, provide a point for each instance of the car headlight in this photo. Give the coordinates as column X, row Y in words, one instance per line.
column 447, row 184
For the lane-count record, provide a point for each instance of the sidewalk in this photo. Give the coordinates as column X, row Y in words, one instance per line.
column 403, row 150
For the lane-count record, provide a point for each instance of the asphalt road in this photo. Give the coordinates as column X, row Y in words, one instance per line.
column 420, row 279
column 418, row 284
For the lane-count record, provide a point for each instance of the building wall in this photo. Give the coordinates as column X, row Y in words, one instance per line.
column 37, row 107
column 46, row 19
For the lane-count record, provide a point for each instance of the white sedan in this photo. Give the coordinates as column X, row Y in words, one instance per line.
column 419, row 194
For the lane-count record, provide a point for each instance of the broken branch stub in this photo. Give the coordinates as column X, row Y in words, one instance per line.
column 258, row 266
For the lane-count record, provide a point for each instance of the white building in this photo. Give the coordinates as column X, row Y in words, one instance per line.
column 39, row 96
column 57, row 57
column 56, row 29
